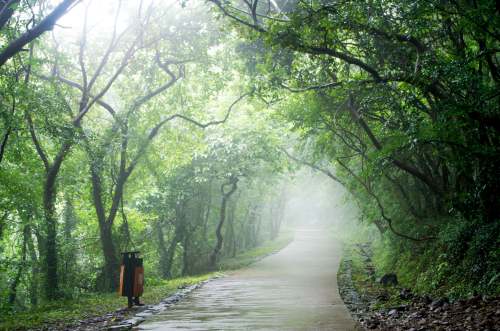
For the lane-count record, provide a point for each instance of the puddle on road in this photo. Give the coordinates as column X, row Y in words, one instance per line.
column 295, row 289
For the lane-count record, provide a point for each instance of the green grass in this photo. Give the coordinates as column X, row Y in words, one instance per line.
column 68, row 312
column 255, row 254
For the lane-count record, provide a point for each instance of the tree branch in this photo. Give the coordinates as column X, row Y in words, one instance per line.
column 311, row 88
column 313, row 166
column 381, row 208
column 4, row 143
column 400, row 164
column 154, row 132
column 45, row 25
column 38, row 147
column 173, row 79
column 119, row 70
column 6, row 12
column 222, row 8
column 71, row 83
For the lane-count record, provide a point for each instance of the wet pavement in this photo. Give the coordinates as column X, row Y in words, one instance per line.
column 295, row 289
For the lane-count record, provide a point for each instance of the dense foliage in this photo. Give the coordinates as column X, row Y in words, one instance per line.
column 401, row 98
column 133, row 133
column 153, row 126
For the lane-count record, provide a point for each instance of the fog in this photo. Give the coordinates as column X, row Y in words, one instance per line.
column 315, row 200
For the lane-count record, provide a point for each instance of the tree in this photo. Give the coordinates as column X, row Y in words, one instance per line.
column 395, row 99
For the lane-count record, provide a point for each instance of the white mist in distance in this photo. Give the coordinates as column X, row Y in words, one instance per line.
column 316, row 201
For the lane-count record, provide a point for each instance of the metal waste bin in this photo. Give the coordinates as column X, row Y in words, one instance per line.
column 131, row 277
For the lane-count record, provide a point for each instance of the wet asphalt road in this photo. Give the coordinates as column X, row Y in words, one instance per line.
column 295, row 289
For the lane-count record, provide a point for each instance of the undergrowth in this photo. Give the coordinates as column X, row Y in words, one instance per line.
column 89, row 305
column 464, row 260
column 70, row 311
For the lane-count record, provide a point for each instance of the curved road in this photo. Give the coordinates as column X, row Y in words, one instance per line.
column 295, row 289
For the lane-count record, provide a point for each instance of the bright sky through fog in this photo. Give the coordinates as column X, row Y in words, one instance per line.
column 101, row 16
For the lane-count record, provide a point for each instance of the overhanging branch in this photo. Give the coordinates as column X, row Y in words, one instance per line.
column 45, row 25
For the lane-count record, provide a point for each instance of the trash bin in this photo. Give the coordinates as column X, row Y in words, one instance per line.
column 131, row 277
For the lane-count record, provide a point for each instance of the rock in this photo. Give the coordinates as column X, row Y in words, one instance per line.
column 402, row 308
column 405, row 294
column 134, row 320
column 144, row 314
column 372, row 324
column 439, row 302
column 389, row 279
column 120, row 327
column 393, row 313
column 427, row 299
column 159, row 307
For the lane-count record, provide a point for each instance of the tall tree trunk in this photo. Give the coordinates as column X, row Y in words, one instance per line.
column 111, row 262
column 17, row 278
column 35, row 271
column 185, row 256
column 225, row 197
column 3, row 144
column 256, row 233
column 162, row 248
column 2, row 223
column 206, row 218
column 51, row 250
column 277, row 217
column 179, row 234
column 68, row 253
column 170, row 257
column 232, row 233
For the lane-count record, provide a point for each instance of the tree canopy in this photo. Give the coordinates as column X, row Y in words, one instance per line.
column 173, row 127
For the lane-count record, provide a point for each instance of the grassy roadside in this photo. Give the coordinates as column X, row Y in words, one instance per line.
column 371, row 294
column 89, row 305
column 67, row 312
column 253, row 255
